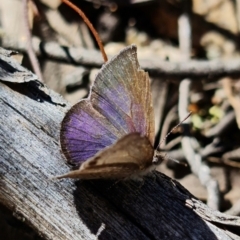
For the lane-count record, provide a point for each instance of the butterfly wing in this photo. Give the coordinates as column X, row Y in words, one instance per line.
column 119, row 103
column 129, row 156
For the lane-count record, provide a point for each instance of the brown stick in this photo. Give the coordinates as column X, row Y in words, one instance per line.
column 30, row 51
column 89, row 24
column 193, row 68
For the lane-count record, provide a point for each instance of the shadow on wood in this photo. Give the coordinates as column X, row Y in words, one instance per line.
column 152, row 209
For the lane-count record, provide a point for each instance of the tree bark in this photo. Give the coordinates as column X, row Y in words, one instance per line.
column 156, row 208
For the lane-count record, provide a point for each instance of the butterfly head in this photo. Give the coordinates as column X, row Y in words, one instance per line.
column 157, row 158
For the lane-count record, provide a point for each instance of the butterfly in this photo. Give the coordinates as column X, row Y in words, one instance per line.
column 111, row 133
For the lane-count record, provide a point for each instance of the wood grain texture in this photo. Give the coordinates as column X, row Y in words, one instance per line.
column 156, row 208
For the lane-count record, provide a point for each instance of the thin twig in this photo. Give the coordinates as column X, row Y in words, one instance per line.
column 174, row 128
column 237, row 2
column 159, row 91
column 170, row 117
column 172, row 143
column 211, row 148
column 222, row 126
column 89, row 24
column 29, row 46
column 194, row 159
column 233, row 100
column 233, row 155
column 224, row 162
column 234, row 210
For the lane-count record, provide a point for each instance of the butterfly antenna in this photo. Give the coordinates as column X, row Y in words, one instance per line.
column 89, row 24
column 176, row 161
column 173, row 130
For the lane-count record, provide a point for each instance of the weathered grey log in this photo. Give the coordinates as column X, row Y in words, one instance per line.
column 157, row 208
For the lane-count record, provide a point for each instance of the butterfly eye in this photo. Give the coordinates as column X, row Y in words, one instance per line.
column 157, row 159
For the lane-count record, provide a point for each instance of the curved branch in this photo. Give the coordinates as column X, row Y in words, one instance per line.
column 193, row 68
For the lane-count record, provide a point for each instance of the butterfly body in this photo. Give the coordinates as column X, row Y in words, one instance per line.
column 111, row 133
